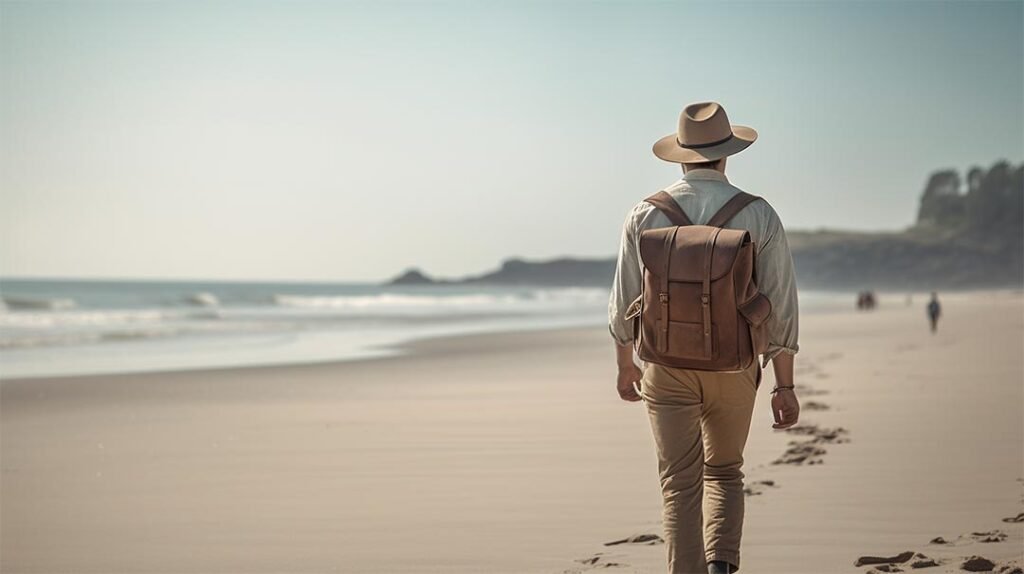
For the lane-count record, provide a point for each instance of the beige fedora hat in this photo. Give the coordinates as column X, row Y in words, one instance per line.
column 704, row 134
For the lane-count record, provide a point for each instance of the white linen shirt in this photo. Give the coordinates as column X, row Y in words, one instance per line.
column 701, row 193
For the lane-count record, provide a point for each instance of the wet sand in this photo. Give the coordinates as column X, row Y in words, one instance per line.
column 512, row 453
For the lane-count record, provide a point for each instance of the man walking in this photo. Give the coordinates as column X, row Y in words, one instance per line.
column 701, row 418
column 934, row 311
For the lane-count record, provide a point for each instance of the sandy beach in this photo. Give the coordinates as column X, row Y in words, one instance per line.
column 511, row 453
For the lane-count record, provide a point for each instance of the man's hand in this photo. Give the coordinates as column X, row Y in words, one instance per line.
column 628, row 374
column 785, row 400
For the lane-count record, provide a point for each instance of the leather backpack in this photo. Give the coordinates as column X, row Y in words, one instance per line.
column 700, row 307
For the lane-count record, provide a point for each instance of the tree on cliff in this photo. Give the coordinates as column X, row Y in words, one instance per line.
column 994, row 201
column 998, row 200
column 941, row 202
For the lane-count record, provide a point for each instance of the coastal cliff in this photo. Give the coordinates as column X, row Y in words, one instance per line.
column 969, row 233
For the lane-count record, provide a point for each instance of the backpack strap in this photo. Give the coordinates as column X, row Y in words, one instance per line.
column 735, row 204
column 670, row 240
column 664, row 202
column 705, row 292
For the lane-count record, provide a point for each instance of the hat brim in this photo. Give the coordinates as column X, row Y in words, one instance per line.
column 668, row 148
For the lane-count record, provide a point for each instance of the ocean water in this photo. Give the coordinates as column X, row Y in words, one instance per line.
column 60, row 327
column 54, row 327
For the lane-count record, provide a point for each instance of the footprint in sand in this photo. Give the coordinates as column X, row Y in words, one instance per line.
column 836, row 435
column 1014, row 519
column 809, row 451
column 756, row 488
column 809, row 391
column 597, row 561
column 922, row 561
column 601, row 560
column 801, row 453
column 648, row 539
column 871, row 560
column 978, row 564
column 914, row 560
column 990, row 536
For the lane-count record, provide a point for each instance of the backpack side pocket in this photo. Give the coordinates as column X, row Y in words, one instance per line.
column 633, row 314
column 756, row 311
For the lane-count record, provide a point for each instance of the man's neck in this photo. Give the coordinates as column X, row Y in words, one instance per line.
column 705, row 174
column 720, row 170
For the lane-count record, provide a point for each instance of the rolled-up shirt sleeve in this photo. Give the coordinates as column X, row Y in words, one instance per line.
column 776, row 278
column 626, row 285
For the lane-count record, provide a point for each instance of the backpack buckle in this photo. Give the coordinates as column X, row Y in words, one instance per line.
column 663, row 297
column 705, row 300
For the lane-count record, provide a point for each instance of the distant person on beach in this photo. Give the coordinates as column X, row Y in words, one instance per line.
column 700, row 418
column 866, row 300
column 934, row 311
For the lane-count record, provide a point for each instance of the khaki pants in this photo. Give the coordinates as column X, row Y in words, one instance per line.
column 700, row 422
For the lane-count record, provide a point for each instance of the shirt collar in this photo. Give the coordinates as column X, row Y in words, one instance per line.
column 705, row 174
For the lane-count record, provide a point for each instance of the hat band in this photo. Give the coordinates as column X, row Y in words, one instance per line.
column 703, row 145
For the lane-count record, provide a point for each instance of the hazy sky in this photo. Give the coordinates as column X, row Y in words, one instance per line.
column 346, row 141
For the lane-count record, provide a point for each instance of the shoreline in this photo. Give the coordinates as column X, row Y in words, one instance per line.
column 393, row 348
column 511, row 453
column 411, row 350
column 388, row 349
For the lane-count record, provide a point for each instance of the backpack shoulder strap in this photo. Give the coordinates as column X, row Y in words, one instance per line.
column 735, row 204
column 664, row 202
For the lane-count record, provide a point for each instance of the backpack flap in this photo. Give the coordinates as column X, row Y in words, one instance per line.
column 690, row 262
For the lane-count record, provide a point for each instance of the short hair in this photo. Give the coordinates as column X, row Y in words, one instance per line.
column 704, row 164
